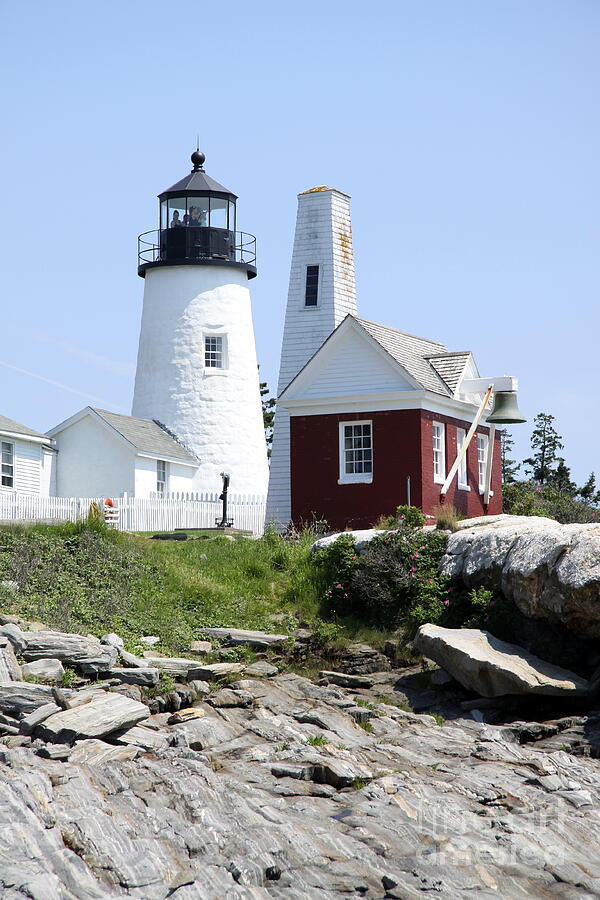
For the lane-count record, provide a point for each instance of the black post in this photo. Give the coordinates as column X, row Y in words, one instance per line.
column 225, row 522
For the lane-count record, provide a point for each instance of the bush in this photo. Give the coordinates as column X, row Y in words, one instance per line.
column 411, row 516
column 395, row 573
column 525, row 498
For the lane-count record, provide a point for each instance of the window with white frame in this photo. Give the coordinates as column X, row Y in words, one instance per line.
column 439, row 452
column 461, row 436
column 161, row 476
column 7, row 476
column 214, row 351
column 356, row 452
column 311, row 291
column 482, row 452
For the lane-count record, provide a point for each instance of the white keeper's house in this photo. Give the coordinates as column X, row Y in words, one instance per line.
column 102, row 452
column 28, row 460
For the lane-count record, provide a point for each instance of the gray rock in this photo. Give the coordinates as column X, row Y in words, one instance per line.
column 200, row 647
column 85, row 653
column 102, row 715
column 175, row 666
column 15, row 636
column 361, row 538
column 227, row 697
column 211, row 671
column 113, row 640
column 98, row 753
column 141, row 736
column 30, row 722
column 261, row 669
column 199, row 687
column 551, row 571
column 483, row 663
column 19, row 698
column 150, row 640
column 144, row 677
column 49, row 670
column 350, row 681
column 133, row 661
column 207, row 732
column 234, row 637
column 10, row 669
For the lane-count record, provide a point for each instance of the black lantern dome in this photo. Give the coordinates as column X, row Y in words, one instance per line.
column 197, row 227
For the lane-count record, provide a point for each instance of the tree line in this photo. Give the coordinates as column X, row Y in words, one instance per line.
column 547, row 488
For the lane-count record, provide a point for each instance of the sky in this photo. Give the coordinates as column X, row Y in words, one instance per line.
column 466, row 132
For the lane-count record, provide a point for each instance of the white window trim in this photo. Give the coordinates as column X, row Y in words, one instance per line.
column 486, row 439
column 166, row 481
column 462, row 485
column 214, row 370
column 5, row 487
column 357, row 477
column 439, row 479
column 318, row 303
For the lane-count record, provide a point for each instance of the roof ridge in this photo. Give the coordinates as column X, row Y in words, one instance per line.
column 417, row 337
column 449, row 353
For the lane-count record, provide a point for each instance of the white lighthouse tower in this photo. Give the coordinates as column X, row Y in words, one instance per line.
column 196, row 371
column 322, row 291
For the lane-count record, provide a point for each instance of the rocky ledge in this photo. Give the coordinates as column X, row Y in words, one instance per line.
column 284, row 787
column 550, row 571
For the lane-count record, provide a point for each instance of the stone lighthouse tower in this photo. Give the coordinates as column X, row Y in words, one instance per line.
column 196, row 368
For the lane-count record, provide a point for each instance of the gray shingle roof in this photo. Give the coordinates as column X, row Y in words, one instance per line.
column 15, row 428
column 411, row 352
column 450, row 366
column 146, row 435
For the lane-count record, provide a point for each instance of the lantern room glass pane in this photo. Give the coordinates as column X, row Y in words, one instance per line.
column 198, row 211
column 218, row 212
column 176, row 211
column 163, row 214
column 231, row 216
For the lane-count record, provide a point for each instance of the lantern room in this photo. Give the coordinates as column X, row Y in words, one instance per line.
column 197, row 226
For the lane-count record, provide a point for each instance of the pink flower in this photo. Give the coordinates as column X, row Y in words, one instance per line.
column 430, row 579
column 446, row 602
column 338, row 585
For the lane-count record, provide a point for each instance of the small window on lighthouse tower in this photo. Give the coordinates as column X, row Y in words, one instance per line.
column 312, row 286
column 214, row 357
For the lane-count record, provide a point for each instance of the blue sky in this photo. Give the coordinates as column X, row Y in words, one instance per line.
column 467, row 133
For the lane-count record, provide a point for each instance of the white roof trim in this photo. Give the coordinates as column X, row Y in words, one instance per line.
column 170, row 459
column 458, row 409
column 321, row 356
column 19, row 436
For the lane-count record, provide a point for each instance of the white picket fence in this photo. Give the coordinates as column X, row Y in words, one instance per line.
column 167, row 513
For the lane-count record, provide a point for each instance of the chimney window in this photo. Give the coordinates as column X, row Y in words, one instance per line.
column 311, row 292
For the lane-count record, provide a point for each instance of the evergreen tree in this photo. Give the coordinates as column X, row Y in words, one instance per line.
column 545, row 443
column 268, row 409
column 589, row 493
column 509, row 466
column 560, row 478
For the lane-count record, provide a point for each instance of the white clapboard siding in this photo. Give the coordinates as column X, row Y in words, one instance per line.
column 356, row 368
column 28, row 463
column 200, row 510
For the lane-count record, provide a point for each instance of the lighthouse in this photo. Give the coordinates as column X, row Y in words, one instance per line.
column 197, row 372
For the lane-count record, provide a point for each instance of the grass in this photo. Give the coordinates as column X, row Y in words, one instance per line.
column 85, row 578
column 317, row 740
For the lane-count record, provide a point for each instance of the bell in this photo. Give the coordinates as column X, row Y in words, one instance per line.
column 505, row 411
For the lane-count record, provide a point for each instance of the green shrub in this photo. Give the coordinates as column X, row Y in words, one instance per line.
column 526, row 498
column 396, row 572
column 411, row 516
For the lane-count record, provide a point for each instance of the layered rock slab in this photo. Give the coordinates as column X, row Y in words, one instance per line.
column 491, row 667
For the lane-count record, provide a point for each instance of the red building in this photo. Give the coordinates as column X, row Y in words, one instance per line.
column 376, row 420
